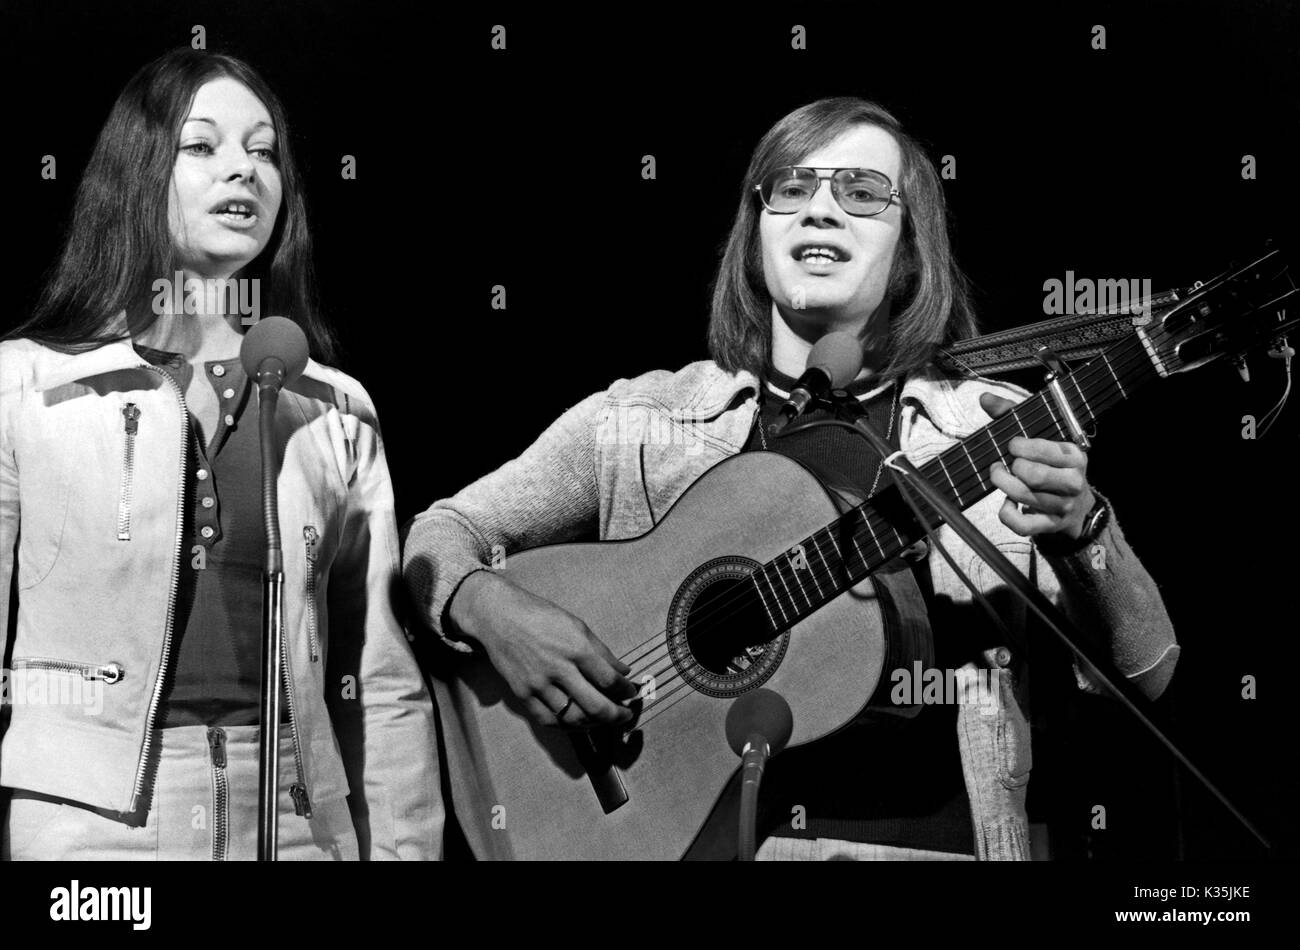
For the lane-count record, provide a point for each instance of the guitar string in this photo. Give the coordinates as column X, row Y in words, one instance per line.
column 967, row 482
column 1037, row 414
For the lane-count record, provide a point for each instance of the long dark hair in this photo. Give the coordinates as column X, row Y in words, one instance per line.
column 927, row 292
column 119, row 241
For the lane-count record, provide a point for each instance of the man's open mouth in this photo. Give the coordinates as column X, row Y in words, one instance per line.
column 809, row 253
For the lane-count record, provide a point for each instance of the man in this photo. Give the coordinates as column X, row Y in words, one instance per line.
column 823, row 241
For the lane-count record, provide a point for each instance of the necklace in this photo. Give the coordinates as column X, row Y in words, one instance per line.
column 889, row 435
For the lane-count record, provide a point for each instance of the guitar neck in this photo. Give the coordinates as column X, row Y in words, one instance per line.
column 828, row 562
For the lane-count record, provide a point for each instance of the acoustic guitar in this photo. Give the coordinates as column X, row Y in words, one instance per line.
column 712, row 603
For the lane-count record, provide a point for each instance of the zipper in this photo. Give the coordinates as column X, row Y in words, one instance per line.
column 141, row 771
column 310, row 537
column 297, row 791
column 220, row 793
column 130, row 426
column 110, row 673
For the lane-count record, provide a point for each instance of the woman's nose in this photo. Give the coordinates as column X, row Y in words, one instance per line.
column 239, row 165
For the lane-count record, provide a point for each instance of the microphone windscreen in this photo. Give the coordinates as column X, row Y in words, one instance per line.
column 279, row 337
column 840, row 355
column 761, row 711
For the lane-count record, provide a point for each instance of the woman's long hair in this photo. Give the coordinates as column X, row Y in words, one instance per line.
column 927, row 291
column 119, row 241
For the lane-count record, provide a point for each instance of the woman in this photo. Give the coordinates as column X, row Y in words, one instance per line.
column 840, row 227
column 130, row 490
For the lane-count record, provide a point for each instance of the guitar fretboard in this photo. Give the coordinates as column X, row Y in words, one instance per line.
column 828, row 562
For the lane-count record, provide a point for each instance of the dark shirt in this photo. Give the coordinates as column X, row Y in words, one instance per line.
column 884, row 782
column 217, row 640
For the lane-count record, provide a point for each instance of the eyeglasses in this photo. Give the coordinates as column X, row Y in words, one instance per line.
column 861, row 192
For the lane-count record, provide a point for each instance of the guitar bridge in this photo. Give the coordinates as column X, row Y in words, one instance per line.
column 606, row 779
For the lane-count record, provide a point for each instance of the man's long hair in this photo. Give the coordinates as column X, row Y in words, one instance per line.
column 927, row 291
column 119, row 241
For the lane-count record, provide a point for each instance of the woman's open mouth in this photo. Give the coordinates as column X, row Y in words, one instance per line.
column 236, row 214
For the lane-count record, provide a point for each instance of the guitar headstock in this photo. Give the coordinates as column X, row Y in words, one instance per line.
column 1243, row 308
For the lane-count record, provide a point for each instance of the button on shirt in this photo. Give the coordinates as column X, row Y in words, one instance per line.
column 216, row 677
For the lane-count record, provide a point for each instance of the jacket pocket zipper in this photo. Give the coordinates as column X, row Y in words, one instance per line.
column 220, row 793
column 310, row 538
column 130, row 426
column 110, row 673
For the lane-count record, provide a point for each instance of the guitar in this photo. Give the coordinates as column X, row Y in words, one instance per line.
column 709, row 604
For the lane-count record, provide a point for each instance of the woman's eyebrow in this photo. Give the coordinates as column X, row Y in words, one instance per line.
column 260, row 124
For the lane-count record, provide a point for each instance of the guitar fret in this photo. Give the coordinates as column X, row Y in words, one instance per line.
column 812, row 570
column 838, row 553
column 777, row 564
column 1082, row 397
column 794, row 572
column 759, row 587
column 997, row 448
column 831, row 568
column 975, row 467
column 1052, row 412
column 775, row 596
column 1113, row 376
column 862, row 557
column 943, row 468
column 1016, row 416
column 872, row 531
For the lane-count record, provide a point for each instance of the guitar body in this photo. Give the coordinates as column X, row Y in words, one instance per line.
column 521, row 791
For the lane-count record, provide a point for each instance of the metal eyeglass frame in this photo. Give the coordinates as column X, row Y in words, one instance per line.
column 894, row 195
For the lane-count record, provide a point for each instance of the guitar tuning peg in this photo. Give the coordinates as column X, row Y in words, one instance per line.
column 1242, row 369
column 1281, row 350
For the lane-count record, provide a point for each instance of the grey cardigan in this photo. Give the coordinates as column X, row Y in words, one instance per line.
column 618, row 460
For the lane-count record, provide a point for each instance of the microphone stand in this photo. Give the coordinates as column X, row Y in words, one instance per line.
column 1098, row 664
column 270, row 378
column 754, row 757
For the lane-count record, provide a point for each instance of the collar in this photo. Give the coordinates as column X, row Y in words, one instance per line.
column 933, row 393
column 781, row 385
column 60, row 368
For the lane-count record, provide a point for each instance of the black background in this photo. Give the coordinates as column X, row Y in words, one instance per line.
column 523, row 168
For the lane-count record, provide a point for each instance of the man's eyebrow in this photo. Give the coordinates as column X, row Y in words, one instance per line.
column 260, row 124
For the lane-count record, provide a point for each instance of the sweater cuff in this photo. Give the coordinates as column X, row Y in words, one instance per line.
column 1107, row 591
column 439, row 554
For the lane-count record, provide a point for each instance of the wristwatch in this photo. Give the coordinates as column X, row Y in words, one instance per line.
column 1094, row 523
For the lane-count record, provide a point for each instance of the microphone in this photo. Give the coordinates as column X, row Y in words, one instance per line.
column 833, row 363
column 758, row 726
column 274, row 352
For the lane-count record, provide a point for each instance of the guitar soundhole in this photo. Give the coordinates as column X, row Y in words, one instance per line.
column 717, row 630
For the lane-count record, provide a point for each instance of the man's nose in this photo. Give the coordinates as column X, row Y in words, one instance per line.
column 822, row 209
